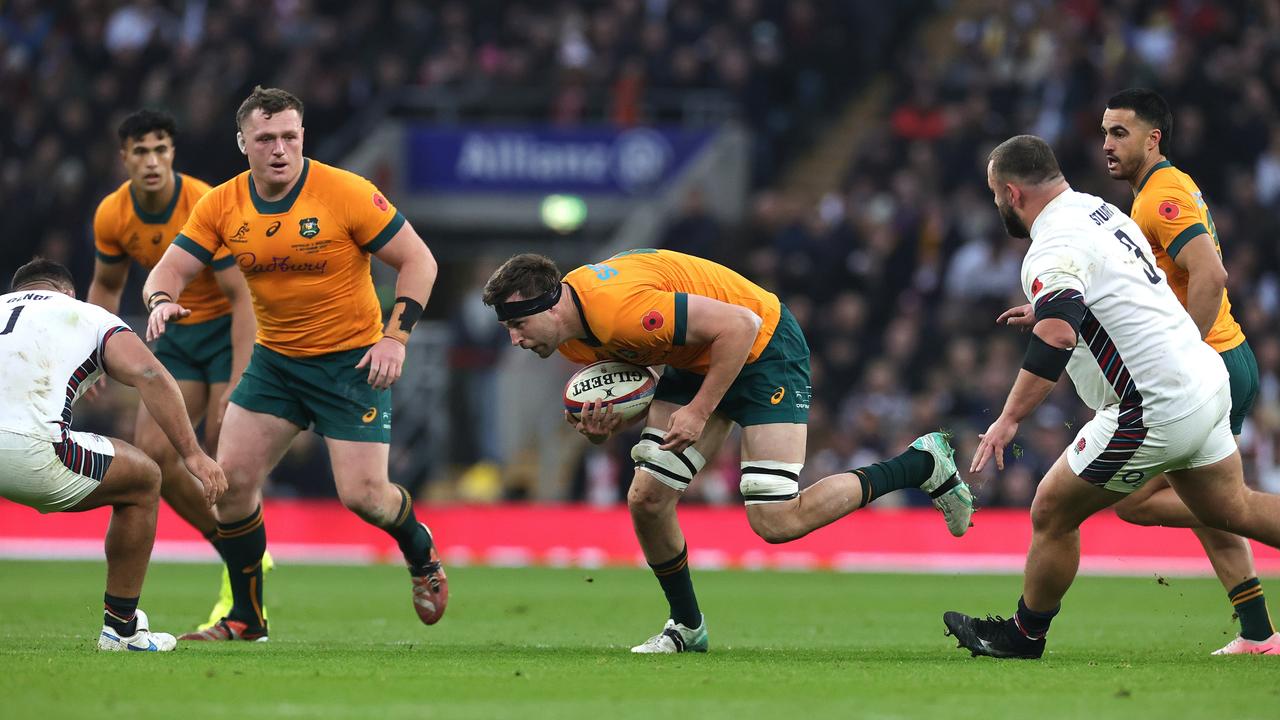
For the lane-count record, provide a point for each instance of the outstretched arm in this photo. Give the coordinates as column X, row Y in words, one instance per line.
column 1051, row 345
column 127, row 360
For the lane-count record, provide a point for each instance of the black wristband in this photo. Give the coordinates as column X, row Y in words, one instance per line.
column 1045, row 360
column 152, row 300
column 411, row 314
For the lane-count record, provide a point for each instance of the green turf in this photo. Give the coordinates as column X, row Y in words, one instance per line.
column 536, row 643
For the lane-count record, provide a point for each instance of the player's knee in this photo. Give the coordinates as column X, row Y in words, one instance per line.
column 645, row 500
column 675, row 470
column 367, row 498
column 144, row 480
column 1136, row 514
column 774, row 527
column 1047, row 518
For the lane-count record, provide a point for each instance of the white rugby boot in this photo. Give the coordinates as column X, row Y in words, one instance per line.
column 142, row 640
column 676, row 638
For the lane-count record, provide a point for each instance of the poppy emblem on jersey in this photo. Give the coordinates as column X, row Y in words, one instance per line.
column 370, row 415
column 776, row 397
column 1080, row 446
column 1036, row 286
column 309, row 227
column 652, row 320
column 380, row 202
column 1168, row 210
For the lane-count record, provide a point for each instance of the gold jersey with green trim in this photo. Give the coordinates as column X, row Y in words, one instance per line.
column 306, row 256
column 1170, row 209
column 634, row 307
column 123, row 231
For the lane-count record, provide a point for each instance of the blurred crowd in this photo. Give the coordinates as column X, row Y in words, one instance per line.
column 69, row 71
column 897, row 276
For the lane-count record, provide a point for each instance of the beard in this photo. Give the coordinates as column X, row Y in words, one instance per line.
column 1012, row 223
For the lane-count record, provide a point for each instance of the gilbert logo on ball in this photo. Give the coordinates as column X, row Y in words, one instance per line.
column 625, row 388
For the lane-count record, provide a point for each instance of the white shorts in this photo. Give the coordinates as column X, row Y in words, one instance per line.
column 49, row 476
column 1116, row 452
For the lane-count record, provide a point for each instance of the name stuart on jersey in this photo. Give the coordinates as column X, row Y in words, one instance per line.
column 1102, row 214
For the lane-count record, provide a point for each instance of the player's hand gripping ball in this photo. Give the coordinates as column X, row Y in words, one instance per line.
column 627, row 388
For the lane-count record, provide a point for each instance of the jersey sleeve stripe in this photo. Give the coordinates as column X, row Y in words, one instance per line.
column 224, row 263
column 1184, row 237
column 682, row 318
column 387, row 233
column 194, row 248
column 110, row 259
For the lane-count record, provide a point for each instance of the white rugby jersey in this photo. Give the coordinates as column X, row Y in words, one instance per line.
column 50, row 352
column 1138, row 348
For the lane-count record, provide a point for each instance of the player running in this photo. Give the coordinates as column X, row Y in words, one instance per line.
column 1170, row 210
column 733, row 354
column 53, row 348
column 303, row 232
column 206, row 351
column 1105, row 313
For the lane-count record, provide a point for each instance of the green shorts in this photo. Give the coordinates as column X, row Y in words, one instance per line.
column 1242, row 366
column 773, row 389
column 199, row 351
column 324, row 391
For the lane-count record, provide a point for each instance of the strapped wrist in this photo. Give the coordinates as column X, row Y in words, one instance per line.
column 404, row 315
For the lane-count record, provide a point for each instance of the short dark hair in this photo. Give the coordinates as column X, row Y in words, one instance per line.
column 43, row 270
column 1150, row 108
column 270, row 101
column 1025, row 158
column 529, row 274
column 139, row 123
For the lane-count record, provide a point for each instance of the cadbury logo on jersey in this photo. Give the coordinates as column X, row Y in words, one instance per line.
column 248, row 262
column 309, row 227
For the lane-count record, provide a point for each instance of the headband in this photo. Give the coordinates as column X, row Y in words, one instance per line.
column 523, row 308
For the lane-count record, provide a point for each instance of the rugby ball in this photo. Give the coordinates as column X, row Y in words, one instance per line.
column 628, row 388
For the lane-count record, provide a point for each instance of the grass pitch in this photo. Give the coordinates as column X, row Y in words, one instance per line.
column 541, row 643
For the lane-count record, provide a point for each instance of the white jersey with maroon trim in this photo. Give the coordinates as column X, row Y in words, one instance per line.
column 51, row 352
column 1138, row 348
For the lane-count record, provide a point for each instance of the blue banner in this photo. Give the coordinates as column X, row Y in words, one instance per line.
column 611, row 161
